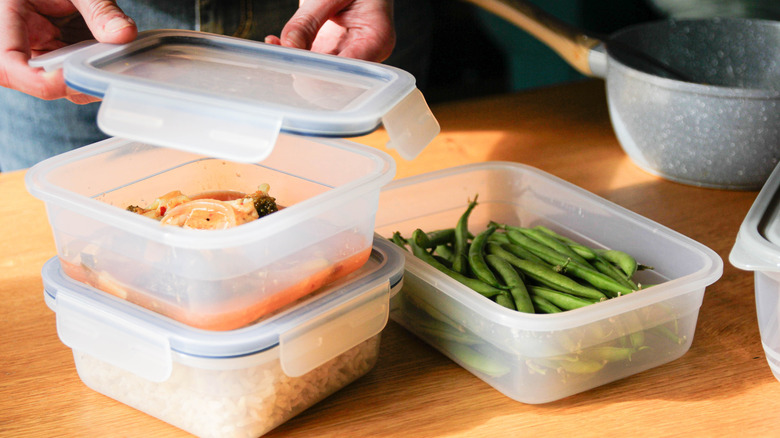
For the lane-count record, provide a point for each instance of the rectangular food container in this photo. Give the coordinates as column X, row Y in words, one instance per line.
column 212, row 279
column 539, row 358
column 757, row 249
column 200, row 113
column 239, row 383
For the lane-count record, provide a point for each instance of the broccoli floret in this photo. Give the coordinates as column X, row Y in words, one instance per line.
column 265, row 205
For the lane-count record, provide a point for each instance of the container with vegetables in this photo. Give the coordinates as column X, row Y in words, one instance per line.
column 539, row 288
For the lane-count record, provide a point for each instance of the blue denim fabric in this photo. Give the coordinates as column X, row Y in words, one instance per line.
column 32, row 129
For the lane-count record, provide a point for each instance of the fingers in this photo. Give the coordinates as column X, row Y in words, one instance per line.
column 301, row 30
column 273, row 39
column 15, row 52
column 361, row 29
column 107, row 22
column 81, row 98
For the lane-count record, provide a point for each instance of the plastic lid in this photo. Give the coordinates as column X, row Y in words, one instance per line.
column 230, row 98
column 757, row 247
column 125, row 335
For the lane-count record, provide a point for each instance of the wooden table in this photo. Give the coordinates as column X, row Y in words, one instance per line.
column 721, row 387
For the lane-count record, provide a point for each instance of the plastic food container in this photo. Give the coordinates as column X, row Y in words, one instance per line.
column 539, row 358
column 212, row 279
column 199, row 113
column 757, row 249
column 239, row 383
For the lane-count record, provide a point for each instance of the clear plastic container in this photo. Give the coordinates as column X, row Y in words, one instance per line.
column 240, row 383
column 212, row 279
column 174, row 99
column 757, row 249
column 539, row 358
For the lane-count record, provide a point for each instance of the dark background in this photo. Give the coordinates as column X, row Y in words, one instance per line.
column 476, row 53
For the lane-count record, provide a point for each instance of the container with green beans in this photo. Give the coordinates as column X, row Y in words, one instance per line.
column 555, row 323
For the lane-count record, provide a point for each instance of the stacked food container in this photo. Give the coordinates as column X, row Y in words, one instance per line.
column 225, row 332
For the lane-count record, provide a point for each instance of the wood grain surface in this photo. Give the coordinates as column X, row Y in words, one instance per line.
column 721, row 387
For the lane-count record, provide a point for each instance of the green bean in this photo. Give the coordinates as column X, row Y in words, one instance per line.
column 445, row 251
column 584, row 251
column 600, row 281
column 505, row 300
column 477, row 262
column 542, row 305
column 668, row 333
column 475, row 360
column 460, row 263
column 601, row 259
column 498, row 238
column 562, row 300
column 444, row 261
column 614, row 273
column 595, row 278
column 444, row 332
column 475, row 284
column 593, row 256
column 609, row 353
column 399, row 240
column 441, row 237
column 636, row 331
column 431, row 311
column 552, row 233
column 538, row 249
column 523, row 253
column 511, row 278
column 572, row 364
column 624, row 261
column 546, row 275
column 553, row 243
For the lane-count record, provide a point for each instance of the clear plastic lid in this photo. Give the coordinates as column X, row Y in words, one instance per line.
column 757, row 247
column 230, row 98
column 332, row 321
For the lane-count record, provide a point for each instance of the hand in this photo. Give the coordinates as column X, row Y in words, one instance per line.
column 34, row 27
column 361, row 29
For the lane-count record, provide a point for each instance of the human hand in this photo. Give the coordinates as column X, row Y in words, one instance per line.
column 34, row 27
column 361, row 29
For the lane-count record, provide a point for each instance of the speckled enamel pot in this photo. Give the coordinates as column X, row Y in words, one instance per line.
column 721, row 127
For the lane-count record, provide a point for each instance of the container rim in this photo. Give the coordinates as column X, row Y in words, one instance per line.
column 709, row 272
column 38, row 184
column 570, row 318
column 754, row 248
column 246, row 341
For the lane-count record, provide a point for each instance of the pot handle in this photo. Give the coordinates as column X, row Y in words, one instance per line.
column 572, row 44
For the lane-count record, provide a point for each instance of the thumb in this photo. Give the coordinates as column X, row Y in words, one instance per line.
column 107, row 22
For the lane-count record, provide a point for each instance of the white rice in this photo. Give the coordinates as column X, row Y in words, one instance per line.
column 239, row 402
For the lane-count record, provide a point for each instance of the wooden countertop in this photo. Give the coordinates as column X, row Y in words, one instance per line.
column 721, row 387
